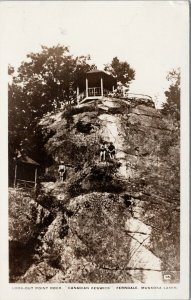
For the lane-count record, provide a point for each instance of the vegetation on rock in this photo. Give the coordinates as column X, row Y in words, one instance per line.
column 121, row 70
column 172, row 105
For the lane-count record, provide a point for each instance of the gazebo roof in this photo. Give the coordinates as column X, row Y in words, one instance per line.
column 96, row 74
column 27, row 160
column 96, row 71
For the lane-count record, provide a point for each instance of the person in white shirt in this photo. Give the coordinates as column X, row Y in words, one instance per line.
column 62, row 170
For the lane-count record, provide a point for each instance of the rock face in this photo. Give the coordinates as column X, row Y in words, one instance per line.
column 27, row 219
column 115, row 221
column 25, row 216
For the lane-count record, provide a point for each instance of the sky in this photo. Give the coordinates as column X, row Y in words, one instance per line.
column 149, row 35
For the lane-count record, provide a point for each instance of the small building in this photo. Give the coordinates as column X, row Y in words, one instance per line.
column 95, row 85
column 25, row 172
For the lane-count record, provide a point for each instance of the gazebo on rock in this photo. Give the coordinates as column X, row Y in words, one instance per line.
column 25, row 172
column 96, row 84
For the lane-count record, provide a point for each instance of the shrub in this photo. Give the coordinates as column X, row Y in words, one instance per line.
column 69, row 112
column 47, row 178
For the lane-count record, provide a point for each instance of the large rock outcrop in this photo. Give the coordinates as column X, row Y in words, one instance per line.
column 27, row 221
column 114, row 221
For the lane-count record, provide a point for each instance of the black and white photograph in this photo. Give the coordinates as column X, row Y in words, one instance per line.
column 96, row 91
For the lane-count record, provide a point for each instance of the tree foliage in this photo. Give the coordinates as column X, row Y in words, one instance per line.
column 172, row 105
column 121, row 70
column 50, row 77
column 41, row 83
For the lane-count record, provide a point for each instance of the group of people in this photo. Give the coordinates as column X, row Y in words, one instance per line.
column 107, row 150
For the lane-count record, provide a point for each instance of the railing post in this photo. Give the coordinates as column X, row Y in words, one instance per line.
column 86, row 87
column 77, row 94
column 35, row 184
column 15, row 178
column 101, row 86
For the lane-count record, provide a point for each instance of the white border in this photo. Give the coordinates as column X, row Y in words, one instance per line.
column 32, row 291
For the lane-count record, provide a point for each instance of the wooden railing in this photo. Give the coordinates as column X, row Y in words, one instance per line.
column 96, row 91
column 93, row 92
column 133, row 95
column 26, row 183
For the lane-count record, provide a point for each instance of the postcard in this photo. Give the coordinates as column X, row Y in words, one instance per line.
column 95, row 150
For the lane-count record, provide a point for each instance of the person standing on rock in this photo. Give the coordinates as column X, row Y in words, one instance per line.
column 103, row 150
column 62, row 171
column 111, row 150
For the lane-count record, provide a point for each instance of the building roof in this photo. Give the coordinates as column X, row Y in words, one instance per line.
column 27, row 160
column 98, row 73
column 94, row 71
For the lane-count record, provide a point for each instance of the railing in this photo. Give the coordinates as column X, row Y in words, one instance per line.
column 96, row 92
column 93, row 92
column 25, row 183
column 133, row 95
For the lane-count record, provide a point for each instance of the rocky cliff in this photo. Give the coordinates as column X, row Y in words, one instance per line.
column 115, row 221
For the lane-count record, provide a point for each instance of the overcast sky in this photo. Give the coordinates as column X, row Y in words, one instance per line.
column 150, row 35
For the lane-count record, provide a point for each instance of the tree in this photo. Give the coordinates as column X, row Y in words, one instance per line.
column 41, row 82
column 121, row 70
column 172, row 105
column 50, row 76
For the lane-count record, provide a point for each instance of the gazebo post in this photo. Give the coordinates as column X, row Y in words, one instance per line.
column 35, row 178
column 101, row 86
column 15, row 177
column 78, row 94
column 86, row 87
